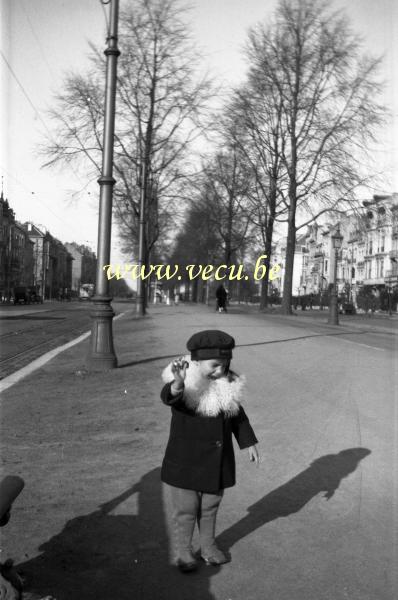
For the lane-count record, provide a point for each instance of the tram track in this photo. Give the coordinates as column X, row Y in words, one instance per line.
column 22, row 342
column 37, row 346
column 11, row 334
column 21, row 346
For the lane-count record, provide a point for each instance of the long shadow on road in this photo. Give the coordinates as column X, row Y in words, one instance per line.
column 263, row 343
column 323, row 475
column 101, row 556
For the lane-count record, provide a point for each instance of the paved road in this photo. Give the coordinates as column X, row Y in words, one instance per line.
column 377, row 334
column 27, row 332
column 316, row 521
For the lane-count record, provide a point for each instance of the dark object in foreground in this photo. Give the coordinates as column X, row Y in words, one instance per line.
column 10, row 487
column 10, row 581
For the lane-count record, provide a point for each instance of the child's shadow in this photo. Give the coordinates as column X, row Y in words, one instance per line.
column 323, row 475
column 104, row 556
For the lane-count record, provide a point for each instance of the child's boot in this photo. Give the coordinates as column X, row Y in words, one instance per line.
column 186, row 505
column 209, row 550
column 184, row 526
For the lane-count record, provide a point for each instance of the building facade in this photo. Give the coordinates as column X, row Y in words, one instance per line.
column 367, row 262
column 83, row 267
column 52, row 263
column 300, row 265
column 16, row 253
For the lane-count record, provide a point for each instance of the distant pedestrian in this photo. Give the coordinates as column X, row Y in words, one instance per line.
column 222, row 296
column 205, row 398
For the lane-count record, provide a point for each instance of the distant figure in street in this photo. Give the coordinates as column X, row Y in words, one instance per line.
column 205, row 399
column 221, row 295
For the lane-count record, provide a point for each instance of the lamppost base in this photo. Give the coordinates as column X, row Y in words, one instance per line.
column 101, row 356
column 140, row 308
column 333, row 318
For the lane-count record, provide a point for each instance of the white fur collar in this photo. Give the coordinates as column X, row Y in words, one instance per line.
column 209, row 397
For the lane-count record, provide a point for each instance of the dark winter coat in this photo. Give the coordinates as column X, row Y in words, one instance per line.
column 199, row 454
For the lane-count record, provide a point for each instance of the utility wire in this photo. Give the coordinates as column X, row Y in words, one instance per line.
column 37, row 40
column 25, row 94
column 36, row 111
column 68, row 225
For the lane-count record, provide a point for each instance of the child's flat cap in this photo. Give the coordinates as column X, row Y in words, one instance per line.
column 210, row 343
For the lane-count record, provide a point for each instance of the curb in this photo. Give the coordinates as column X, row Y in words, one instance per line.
column 42, row 360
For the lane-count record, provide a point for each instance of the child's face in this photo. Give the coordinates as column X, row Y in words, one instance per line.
column 213, row 368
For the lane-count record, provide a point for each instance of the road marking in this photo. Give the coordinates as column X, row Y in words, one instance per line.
column 19, row 313
column 359, row 344
column 42, row 360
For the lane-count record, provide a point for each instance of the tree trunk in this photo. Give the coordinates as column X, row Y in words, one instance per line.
column 269, row 232
column 289, row 265
column 195, row 291
column 268, row 253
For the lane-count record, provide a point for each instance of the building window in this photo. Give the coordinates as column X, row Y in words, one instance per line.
column 370, row 247
column 381, row 268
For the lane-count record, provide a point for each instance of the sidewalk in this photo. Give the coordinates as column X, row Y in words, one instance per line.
column 93, row 520
column 374, row 321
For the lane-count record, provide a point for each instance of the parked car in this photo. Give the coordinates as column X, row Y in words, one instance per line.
column 27, row 295
column 348, row 308
column 21, row 294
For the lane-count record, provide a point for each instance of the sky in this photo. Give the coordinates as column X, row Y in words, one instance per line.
column 41, row 40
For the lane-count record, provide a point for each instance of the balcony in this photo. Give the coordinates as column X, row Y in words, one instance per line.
column 374, row 280
column 354, row 236
column 393, row 254
column 392, row 274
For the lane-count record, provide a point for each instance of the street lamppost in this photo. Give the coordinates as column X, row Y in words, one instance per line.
column 101, row 353
column 141, row 288
column 337, row 240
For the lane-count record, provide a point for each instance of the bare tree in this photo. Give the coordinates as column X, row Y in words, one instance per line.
column 160, row 108
column 216, row 226
column 254, row 122
column 197, row 242
column 226, row 184
column 310, row 60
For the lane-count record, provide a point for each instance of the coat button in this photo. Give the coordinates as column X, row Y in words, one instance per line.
column 218, row 444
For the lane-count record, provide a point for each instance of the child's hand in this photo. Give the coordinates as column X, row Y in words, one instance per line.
column 179, row 370
column 254, row 456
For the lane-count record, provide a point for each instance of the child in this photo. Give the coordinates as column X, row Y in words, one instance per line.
column 205, row 398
